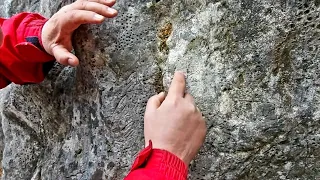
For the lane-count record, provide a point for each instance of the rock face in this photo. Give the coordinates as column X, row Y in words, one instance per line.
column 252, row 65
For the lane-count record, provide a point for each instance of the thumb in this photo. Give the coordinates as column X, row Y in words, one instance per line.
column 63, row 56
column 155, row 102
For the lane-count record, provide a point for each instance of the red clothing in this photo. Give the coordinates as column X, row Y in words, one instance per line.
column 23, row 60
column 156, row 164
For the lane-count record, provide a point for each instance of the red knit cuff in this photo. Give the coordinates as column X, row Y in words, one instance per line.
column 40, row 32
column 142, row 157
column 161, row 161
column 29, row 44
column 170, row 165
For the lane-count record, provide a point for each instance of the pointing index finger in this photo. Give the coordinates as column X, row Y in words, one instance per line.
column 178, row 85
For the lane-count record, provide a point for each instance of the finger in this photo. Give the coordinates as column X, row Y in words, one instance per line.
column 109, row 3
column 178, row 85
column 189, row 98
column 155, row 102
column 78, row 17
column 162, row 97
column 64, row 57
column 96, row 7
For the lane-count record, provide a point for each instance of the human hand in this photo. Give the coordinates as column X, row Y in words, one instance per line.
column 174, row 123
column 57, row 31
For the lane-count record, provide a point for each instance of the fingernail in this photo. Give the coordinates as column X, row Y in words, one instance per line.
column 98, row 17
column 112, row 11
column 70, row 60
column 109, row 1
column 181, row 72
column 161, row 94
column 73, row 62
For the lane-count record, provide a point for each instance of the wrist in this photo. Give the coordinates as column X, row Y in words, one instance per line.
column 178, row 152
column 42, row 38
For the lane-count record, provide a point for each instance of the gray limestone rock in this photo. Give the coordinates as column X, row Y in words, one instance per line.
column 252, row 66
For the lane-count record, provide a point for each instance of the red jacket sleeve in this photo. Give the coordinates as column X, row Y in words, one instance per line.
column 22, row 57
column 156, row 164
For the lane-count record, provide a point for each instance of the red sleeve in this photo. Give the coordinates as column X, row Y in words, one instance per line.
column 157, row 164
column 22, row 57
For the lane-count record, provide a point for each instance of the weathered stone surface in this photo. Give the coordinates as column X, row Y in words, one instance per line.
column 251, row 65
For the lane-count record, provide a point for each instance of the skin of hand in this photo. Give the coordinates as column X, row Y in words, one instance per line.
column 57, row 32
column 174, row 123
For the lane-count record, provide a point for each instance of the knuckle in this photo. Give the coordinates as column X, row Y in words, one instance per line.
column 152, row 99
column 202, row 123
column 173, row 102
column 102, row 8
column 191, row 108
column 82, row 4
column 201, row 119
column 72, row 14
column 64, row 8
column 190, row 97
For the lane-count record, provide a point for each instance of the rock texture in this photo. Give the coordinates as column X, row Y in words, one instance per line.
column 252, row 65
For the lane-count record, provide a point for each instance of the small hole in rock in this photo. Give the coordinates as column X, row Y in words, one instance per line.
column 268, row 11
column 310, row 48
column 292, row 25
